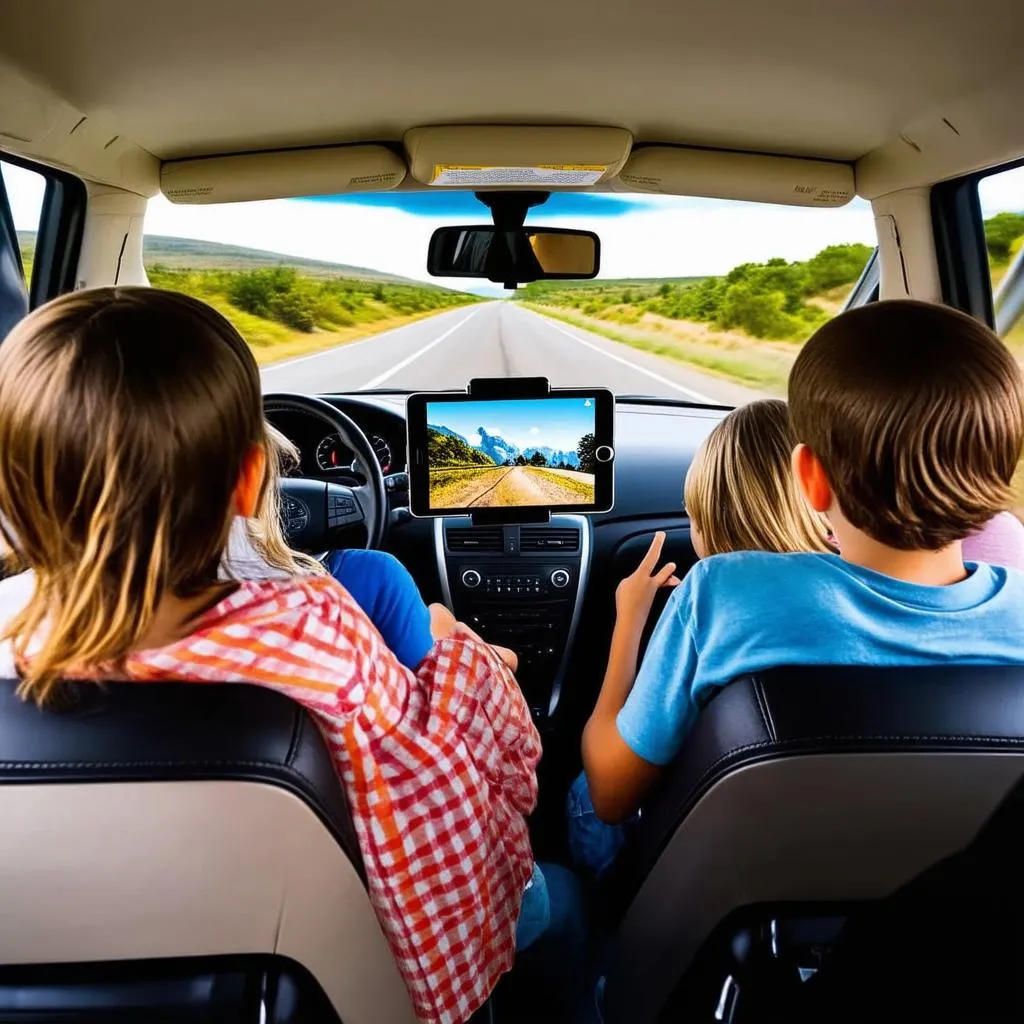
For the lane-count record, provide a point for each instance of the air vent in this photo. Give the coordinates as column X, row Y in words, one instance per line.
column 549, row 538
column 474, row 538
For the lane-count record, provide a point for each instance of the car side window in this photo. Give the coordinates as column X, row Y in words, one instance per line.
column 1001, row 196
column 25, row 191
column 22, row 193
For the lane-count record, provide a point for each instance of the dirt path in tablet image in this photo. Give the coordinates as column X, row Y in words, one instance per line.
column 505, row 486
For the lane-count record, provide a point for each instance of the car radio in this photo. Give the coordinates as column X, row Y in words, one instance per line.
column 500, row 583
column 520, row 586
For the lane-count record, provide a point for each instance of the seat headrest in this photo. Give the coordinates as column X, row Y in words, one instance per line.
column 146, row 732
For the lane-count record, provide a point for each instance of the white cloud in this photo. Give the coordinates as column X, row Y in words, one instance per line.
column 534, row 430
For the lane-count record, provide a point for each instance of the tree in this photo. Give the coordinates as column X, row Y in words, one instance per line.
column 665, row 290
column 520, row 460
column 836, row 265
column 1001, row 231
column 537, row 459
column 585, row 450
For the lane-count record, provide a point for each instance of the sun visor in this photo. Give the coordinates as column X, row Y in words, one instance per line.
column 515, row 157
column 714, row 174
column 285, row 174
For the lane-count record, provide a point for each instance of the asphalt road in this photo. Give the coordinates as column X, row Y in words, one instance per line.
column 495, row 339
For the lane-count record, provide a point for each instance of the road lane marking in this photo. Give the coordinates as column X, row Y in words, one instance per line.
column 388, row 374
column 695, row 395
column 270, row 367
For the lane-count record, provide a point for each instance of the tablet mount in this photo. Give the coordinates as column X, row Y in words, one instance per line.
column 513, row 387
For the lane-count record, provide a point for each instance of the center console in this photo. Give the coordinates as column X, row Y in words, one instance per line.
column 521, row 587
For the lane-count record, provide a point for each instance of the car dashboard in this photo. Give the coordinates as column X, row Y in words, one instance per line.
column 323, row 455
column 537, row 589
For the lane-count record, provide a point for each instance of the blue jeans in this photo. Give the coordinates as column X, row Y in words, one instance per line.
column 593, row 844
column 534, row 911
column 552, row 934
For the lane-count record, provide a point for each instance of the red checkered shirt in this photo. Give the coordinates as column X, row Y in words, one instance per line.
column 438, row 766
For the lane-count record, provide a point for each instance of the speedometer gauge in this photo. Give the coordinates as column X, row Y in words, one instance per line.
column 333, row 453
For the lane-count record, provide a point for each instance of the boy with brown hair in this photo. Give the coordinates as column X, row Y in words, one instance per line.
column 910, row 418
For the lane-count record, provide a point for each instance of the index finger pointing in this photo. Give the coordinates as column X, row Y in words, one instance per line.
column 650, row 560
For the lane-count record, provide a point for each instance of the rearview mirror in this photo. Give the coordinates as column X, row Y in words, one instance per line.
column 513, row 257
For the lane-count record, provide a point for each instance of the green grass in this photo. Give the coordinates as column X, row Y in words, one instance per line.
column 284, row 306
column 754, row 369
column 446, row 485
column 283, row 313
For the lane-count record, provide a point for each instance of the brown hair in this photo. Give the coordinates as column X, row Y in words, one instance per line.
column 126, row 415
column 916, row 413
column 740, row 492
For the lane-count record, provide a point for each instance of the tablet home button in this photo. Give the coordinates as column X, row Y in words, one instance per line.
column 604, row 453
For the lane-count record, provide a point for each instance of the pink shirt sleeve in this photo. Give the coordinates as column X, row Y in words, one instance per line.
column 999, row 542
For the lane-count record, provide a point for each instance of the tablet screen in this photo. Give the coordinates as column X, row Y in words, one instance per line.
column 512, row 453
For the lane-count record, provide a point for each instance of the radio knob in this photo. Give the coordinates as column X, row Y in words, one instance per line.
column 560, row 578
column 471, row 578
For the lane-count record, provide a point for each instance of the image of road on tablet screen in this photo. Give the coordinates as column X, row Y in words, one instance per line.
column 510, row 453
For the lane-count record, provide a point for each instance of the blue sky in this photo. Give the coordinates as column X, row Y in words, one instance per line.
column 528, row 423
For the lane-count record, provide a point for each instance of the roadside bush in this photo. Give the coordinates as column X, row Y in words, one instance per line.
column 1001, row 231
column 767, row 300
column 762, row 314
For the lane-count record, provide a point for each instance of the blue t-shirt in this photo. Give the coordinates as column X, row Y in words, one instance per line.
column 752, row 610
column 383, row 588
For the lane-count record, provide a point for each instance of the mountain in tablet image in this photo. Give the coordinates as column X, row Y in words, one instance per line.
column 500, row 450
column 556, row 458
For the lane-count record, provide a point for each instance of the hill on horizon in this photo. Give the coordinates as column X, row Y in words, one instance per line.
column 196, row 254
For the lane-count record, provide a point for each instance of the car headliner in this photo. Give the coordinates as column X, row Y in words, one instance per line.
column 795, row 77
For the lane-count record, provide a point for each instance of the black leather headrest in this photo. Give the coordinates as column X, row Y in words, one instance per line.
column 796, row 711
column 161, row 732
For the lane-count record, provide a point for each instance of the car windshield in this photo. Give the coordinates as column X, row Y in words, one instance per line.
column 700, row 300
column 697, row 299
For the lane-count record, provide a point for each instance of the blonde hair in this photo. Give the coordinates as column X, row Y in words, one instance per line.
column 740, row 492
column 265, row 533
column 126, row 417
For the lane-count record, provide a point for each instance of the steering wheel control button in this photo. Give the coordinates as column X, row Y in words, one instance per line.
column 604, row 453
column 296, row 514
column 560, row 579
column 471, row 579
column 341, row 509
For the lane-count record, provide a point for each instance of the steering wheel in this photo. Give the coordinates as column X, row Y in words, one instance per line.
column 315, row 512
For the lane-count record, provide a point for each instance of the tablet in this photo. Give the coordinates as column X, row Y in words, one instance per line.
column 510, row 456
